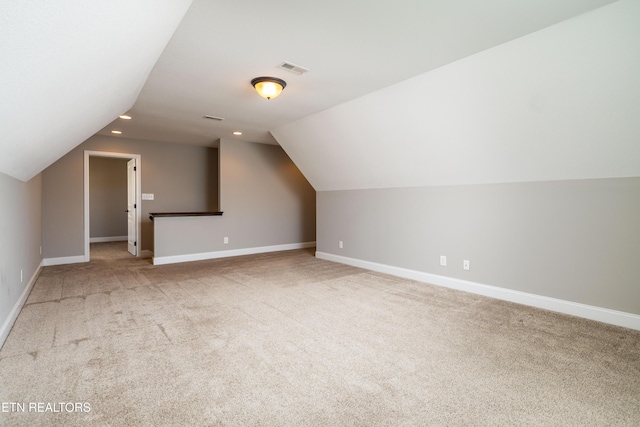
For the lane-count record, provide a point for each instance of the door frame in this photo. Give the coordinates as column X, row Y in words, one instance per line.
column 132, row 206
column 138, row 158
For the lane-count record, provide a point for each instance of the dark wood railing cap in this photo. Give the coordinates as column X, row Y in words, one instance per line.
column 175, row 214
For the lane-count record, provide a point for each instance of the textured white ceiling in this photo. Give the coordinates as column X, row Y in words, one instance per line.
column 70, row 67
column 352, row 48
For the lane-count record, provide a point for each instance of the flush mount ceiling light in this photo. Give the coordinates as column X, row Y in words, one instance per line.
column 268, row 87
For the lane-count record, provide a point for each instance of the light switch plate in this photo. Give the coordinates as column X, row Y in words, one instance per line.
column 147, row 196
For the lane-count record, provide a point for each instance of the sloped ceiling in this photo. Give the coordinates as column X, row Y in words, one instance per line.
column 351, row 47
column 69, row 67
column 72, row 67
column 562, row 103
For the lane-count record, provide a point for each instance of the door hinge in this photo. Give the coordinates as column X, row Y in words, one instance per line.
column 135, row 206
column 135, row 243
column 135, row 168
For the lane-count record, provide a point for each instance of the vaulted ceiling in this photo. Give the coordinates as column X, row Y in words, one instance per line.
column 69, row 68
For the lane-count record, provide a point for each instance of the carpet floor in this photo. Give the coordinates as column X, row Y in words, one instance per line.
column 285, row 339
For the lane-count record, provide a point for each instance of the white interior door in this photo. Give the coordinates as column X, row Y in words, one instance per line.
column 132, row 231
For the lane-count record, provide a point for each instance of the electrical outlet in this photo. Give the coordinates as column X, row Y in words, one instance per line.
column 465, row 264
column 340, row 244
column 226, row 240
column 443, row 260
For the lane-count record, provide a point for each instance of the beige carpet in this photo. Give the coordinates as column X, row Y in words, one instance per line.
column 285, row 339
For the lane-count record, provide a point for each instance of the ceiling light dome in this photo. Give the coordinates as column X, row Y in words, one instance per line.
column 268, row 87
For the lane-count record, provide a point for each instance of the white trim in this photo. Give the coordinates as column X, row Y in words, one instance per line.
column 17, row 307
column 614, row 317
column 172, row 259
column 138, row 157
column 108, row 239
column 63, row 260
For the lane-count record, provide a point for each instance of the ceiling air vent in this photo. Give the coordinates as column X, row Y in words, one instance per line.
column 218, row 119
column 295, row 69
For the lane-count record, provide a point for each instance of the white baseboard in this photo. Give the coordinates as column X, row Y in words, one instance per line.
column 172, row 259
column 63, row 260
column 15, row 311
column 108, row 239
column 605, row 315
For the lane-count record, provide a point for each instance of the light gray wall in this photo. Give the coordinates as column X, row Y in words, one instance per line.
column 20, row 239
column 178, row 175
column 265, row 199
column 523, row 159
column 573, row 240
column 108, row 197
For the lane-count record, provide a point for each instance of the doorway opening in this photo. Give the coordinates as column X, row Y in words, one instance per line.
column 129, row 206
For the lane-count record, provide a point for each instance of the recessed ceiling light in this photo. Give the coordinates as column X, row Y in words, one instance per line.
column 125, row 117
column 117, row 132
column 237, row 133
